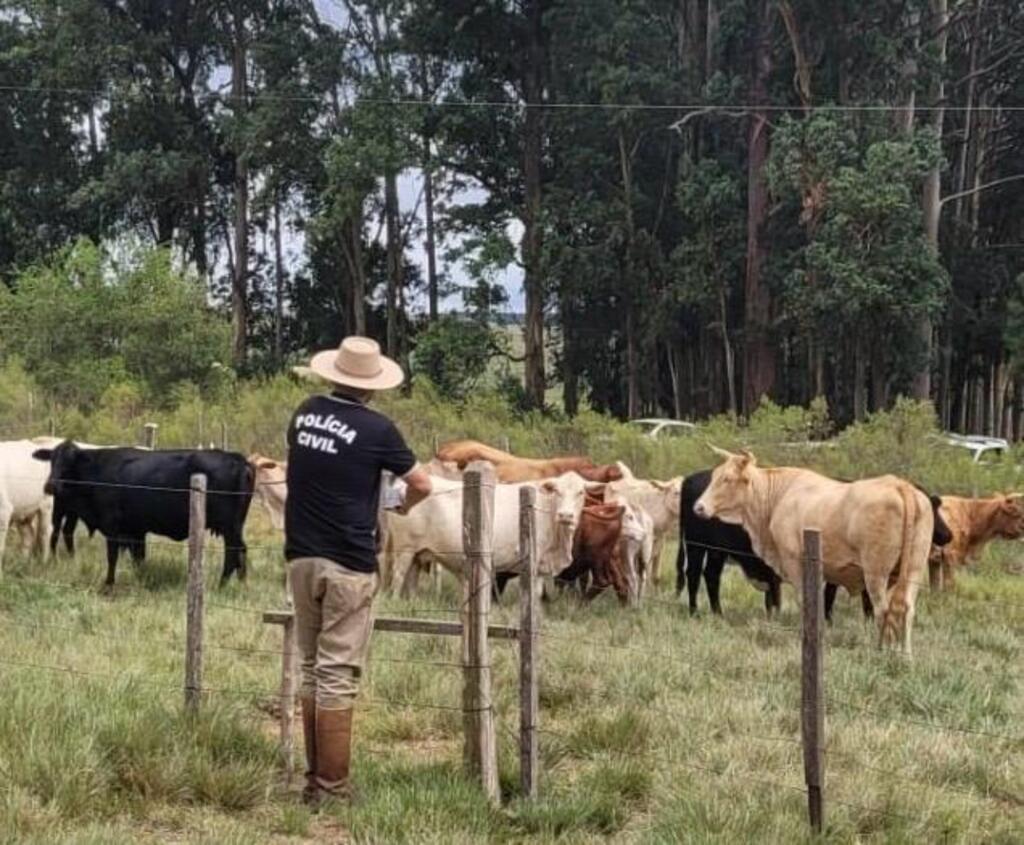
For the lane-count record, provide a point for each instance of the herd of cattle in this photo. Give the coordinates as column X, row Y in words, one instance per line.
column 596, row 526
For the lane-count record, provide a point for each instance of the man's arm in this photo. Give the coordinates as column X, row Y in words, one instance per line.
column 418, row 487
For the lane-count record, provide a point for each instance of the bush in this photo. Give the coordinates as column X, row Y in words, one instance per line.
column 83, row 322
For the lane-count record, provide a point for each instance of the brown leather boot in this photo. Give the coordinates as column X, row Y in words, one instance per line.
column 333, row 752
column 311, row 792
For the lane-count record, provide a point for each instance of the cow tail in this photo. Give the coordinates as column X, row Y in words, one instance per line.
column 913, row 556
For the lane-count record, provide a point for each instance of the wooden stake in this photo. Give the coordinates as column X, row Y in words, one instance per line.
column 812, row 677
column 287, row 716
column 194, row 600
column 150, row 435
column 529, row 622
column 478, row 535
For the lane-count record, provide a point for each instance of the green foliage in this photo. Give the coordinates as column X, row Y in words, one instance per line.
column 454, row 355
column 84, row 321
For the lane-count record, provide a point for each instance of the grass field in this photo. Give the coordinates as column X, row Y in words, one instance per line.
column 657, row 727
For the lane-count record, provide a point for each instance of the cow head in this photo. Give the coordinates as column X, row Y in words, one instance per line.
column 671, row 492
column 941, row 535
column 730, row 488
column 1009, row 518
column 62, row 459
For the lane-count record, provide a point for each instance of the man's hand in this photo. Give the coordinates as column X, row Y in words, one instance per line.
column 418, row 487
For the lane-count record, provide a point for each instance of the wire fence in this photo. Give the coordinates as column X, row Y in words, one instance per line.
column 668, row 663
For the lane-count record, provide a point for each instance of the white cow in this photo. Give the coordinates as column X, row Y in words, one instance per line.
column 660, row 499
column 433, row 529
column 23, row 503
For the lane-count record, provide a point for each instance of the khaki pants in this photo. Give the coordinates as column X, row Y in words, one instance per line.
column 333, row 622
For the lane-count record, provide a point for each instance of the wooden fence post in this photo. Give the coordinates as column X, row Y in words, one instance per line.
column 194, row 601
column 812, row 681
column 149, row 435
column 529, row 619
column 287, row 715
column 478, row 535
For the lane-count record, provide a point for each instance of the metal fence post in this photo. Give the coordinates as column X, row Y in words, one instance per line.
column 478, row 715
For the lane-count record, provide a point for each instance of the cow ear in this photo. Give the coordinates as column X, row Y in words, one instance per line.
column 549, row 487
column 43, row 454
column 266, row 463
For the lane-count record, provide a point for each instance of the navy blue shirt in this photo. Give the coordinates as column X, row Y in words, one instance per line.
column 337, row 448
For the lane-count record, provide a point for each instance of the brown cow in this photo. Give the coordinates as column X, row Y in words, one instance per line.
column 870, row 529
column 974, row 523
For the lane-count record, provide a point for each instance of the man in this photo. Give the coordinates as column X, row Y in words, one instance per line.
column 337, row 448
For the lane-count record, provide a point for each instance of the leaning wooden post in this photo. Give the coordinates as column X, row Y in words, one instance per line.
column 481, row 753
column 194, row 600
column 812, row 677
column 149, row 432
column 529, row 622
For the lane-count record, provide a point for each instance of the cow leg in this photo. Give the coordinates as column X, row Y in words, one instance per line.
column 681, row 555
column 234, row 557
column 6, row 512
column 830, row 599
column 773, row 597
column 865, row 604
column 877, row 588
column 694, row 569
column 70, row 523
column 713, row 580
column 401, row 563
column 113, row 550
column 501, row 580
column 655, row 567
column 137, row 547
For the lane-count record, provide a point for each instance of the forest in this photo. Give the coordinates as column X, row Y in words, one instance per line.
column 707, row 202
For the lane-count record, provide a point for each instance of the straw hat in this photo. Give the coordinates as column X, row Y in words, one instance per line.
column 357, row 363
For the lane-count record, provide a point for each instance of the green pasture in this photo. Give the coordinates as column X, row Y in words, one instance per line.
column 657, row 727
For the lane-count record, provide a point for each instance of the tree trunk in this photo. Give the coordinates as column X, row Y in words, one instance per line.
column 533, row 283
column 278, row 285
column 675, row 367
column 727, row 352
column 921, row 388
column 1018, row 408
column 429, row 247
column 394, row 262
column 860, row 373
column 240, row 279
column 629, row 279
column 759, row 352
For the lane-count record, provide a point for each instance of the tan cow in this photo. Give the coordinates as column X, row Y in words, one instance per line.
column 870, row 530
column 660, row 499
column 974, row 523
column 512, row 469
column 270, row 486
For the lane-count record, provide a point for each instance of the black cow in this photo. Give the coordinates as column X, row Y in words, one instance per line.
column 706, row 543
column 127, row 493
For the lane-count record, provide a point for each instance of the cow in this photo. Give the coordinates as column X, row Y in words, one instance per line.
column 434, row 528
column 127, row 493
column 973, row 524
column 870, row 529
column 511, row 469
column 941, row 536
column 704, row 545
column 659, row 500
column 23, row 500
column 597, row 554
column 271, row 488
